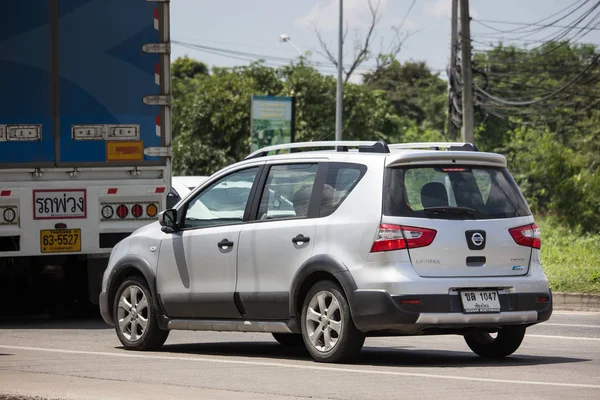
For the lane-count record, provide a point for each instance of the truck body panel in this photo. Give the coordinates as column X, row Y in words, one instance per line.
column 78, row 111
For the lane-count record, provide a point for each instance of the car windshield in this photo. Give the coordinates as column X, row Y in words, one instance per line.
column 452, row 192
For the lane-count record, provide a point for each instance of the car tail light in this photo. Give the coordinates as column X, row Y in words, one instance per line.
column 122, row 211
column 528, row 235
column 543, row 299
column 396, row 237
column 137, row 211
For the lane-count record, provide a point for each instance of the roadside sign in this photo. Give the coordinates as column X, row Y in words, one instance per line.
column 273, row 121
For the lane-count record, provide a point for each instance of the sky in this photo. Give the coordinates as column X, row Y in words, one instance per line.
column 255, row 26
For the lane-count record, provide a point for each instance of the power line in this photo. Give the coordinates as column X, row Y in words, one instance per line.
column 270, row 59
column 483, row 22
column 540, row 100
column 541, row 20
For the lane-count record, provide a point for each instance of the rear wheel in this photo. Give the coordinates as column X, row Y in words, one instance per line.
column 327, row 327
column 501, row 344
column 135, row 316
column 289, row 339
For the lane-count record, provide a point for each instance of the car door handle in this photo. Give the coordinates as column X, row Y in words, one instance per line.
column 300, row 239
column 225, row 244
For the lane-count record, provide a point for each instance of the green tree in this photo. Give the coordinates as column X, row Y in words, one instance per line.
column 414, row 91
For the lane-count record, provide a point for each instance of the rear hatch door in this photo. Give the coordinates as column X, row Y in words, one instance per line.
column 471, row 208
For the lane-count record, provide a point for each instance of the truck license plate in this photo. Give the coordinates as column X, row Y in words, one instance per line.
column 480, row 301
column 60, row 240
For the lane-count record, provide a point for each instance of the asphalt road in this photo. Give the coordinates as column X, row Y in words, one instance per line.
column 559, row 359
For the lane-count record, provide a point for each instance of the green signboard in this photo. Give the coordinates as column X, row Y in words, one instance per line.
column 273, row 120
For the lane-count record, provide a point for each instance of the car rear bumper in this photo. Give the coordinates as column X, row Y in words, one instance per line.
column 377, row 310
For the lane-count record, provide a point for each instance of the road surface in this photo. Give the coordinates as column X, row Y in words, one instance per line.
column 83, row 359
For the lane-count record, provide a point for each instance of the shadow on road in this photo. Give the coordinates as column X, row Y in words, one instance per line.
column 374, row 356
column 46, row 322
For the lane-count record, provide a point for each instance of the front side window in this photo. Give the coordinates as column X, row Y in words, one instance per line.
column 450, row 192
column 222, row 203
column 287, row 191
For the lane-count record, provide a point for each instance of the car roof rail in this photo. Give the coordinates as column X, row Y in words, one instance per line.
column 452, row 146
column 363, row 146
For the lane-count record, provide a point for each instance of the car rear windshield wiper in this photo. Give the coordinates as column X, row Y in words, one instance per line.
column 451, row 210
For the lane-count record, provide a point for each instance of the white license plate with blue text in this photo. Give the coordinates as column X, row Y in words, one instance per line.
column 480, row 301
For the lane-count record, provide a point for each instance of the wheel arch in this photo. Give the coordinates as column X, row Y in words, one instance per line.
column 128, row 266
column 318, row 268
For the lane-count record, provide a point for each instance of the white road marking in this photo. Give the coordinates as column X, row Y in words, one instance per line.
column 572, row 325
column 312, row 367
column 589, row 313
column 563, row 337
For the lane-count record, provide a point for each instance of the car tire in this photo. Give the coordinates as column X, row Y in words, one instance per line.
column 289, row 339
column 135, row 316
column 327, row 327
column 504, row 344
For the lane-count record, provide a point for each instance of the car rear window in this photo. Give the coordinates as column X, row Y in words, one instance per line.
column 452, row 192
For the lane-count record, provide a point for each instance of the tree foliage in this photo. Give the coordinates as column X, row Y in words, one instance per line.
column 552, row 139
column 552, row 145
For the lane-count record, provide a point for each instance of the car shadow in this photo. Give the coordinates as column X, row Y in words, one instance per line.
column 397, row 356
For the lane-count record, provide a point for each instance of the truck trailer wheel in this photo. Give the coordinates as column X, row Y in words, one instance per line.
column 135, row 316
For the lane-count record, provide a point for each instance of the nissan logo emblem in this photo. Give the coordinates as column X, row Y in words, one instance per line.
column 477, row 239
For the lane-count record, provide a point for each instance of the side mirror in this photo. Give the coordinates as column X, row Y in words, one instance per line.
column 168, row 220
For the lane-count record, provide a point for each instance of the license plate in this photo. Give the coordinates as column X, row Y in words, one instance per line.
column 480, row 301
column 60, row 240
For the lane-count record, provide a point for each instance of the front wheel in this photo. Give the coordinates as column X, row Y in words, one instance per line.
column 327, row 327
column 135, row 316
column 506, row 342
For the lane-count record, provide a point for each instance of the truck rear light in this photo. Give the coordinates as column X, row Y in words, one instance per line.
column 151, row 210
column 528, row 235
column 137, row 211
column 107, row 212
column 122, row 211
column 127, row 211
column 9, row 215
column 23, row 133
column 395, row 237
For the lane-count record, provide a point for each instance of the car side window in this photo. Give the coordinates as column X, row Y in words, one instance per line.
column 287, row 191
column 222, row 203
column 341, row 179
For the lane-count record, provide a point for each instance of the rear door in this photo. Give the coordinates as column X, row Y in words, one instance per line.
column 26, row 86
column 471, row 209
column 104, row 76
column 279, row 241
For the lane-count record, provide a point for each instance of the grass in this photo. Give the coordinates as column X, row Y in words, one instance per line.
column 571, row 260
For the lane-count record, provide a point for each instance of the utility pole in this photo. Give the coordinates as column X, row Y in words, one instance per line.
column 468, row 128
column 453, row 48
column 339, row 92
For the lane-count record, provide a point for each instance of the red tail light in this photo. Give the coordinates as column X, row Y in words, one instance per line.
column 396, row 237
column 137, row 210
column 122, row 211
column 528, row 235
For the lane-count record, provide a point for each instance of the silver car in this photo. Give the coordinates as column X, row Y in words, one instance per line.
column 322, row 248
